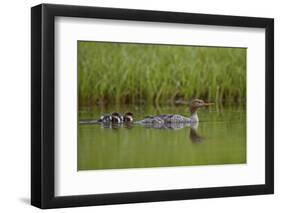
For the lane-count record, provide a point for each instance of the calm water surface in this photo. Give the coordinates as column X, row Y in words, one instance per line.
column 219, row 138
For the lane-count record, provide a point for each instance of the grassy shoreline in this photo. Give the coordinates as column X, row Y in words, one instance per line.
column 136, row 73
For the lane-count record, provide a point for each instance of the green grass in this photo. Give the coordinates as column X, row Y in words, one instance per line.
column 134, row 73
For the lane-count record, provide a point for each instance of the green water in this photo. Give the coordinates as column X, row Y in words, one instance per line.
column 219, row 138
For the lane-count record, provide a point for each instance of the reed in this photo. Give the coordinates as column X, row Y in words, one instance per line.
column 141, row 73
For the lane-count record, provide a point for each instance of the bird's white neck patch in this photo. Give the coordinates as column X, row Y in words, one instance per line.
column 194, row 117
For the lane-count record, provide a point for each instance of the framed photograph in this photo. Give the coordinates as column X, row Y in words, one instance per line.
column 139, row 106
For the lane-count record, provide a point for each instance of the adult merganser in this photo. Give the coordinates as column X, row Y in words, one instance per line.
column 174, row 118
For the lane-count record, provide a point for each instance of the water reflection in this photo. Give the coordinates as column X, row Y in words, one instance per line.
column 219, row 138
column 110, row 125
column 194, row 136
column 172, row 126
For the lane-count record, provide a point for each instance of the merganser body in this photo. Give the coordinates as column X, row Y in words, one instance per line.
column 174, row 118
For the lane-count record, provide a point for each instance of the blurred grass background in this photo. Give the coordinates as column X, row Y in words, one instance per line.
column 142, row 73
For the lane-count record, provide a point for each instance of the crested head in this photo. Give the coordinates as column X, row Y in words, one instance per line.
column 198, row 103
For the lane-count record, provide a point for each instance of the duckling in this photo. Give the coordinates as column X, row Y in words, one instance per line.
column 105, row 119
column 116, row 117
column 128, row 117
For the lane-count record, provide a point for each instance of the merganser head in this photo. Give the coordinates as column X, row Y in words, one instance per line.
column 128, row 117
column 197, row 103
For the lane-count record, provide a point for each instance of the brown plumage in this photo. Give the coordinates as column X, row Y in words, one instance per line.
column 128, row 117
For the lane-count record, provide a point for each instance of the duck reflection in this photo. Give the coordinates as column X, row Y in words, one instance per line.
column 194, row 136
column 172, row 126
column 110, row 125
column 116, row 125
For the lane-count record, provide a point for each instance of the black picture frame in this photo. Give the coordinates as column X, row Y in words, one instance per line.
column 43, row 102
